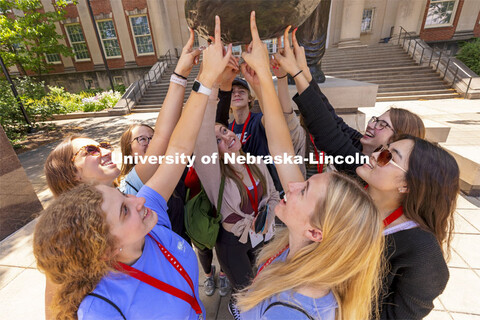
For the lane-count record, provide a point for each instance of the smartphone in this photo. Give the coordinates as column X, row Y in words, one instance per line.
column 261, row 219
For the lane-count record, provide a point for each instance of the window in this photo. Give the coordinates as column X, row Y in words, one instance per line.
column 141, row 34
column 118, row 80
column 440, row 13
column 109, row 38
column 53, row 58
column 89, row 84
column 77, row 41
column 367, row 20
column 237, row 51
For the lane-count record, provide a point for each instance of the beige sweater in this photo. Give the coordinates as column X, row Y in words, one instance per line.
column 210, row 177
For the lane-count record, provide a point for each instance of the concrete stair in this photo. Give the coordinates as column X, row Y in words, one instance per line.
column 399, row 77
column 153, row 98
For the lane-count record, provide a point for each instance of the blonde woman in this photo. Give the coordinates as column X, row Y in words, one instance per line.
column 327, row 263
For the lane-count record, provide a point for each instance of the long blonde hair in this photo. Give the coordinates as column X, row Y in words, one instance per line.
column 73, row 246
column 349, row 259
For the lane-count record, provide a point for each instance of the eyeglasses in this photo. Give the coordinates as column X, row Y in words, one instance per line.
column 385, row 157
column 143, row 140
column 93, row 150
column 380, row 124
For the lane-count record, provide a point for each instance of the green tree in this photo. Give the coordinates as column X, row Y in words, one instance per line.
column 28, row 33
column 470, row 55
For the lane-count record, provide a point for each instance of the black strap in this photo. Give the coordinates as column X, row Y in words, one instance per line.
column 220, row 195
column 109, row 302
column 288, row 305
column 131, row 185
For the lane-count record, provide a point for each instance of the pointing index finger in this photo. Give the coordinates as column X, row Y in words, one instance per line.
column 253, row 27
column 286, row 41
column 189, row 44
column 217, row 30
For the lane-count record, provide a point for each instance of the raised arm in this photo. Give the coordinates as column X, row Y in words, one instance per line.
column 278, row 135
column 182, row 141
column 170, row 112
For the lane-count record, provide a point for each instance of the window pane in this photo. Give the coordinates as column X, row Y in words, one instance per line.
column 81, row 51
column 75, row 33
column 107, row 31
column 112, row 49
column 53, row 57
column 367, row 20
column 144, row 44
column 440, row 12
column 140, row 25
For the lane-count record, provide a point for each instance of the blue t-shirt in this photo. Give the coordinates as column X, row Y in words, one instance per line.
column 134, row 183
column 322, row 308
column 138, row 300
column 255, row 138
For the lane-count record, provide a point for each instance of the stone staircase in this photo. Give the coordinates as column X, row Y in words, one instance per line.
column 153, row 98
column 399, row 77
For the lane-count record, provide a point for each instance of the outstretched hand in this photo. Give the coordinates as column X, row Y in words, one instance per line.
column 256, row 55
column 300, row 56
column 188, row 58
column 286, row 57
column 214, row 61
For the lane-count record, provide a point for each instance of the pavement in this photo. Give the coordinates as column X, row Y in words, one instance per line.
column 22, row 285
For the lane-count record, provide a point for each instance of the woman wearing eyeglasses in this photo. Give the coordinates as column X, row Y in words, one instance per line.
column 79, row 159
column 134, row 142
column 114, row 256
column 330, row 133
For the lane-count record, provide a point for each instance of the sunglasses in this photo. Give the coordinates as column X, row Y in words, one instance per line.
column 143, row 140
column 93, row 150
column 380, row 124
column 385, row 157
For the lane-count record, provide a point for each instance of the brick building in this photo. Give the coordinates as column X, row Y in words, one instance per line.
column 135, row 33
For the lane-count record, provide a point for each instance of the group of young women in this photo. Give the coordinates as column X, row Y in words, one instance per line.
column 349, row 250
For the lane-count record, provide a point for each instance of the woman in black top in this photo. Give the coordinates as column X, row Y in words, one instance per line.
column 414, row 185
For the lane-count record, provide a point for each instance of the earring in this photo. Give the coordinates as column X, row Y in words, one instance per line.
column 120, row 249
column 403, row 190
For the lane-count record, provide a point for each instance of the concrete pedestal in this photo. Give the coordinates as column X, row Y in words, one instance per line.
column 18, row 201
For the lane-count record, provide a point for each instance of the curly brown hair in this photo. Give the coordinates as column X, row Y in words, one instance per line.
column 73, row 246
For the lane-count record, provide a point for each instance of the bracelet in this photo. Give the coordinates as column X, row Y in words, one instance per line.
column 297, row 74
column 179, row 75
column 282, row 76
column 176, row 79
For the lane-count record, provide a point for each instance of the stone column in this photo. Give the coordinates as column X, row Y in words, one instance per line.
column 161, row 31
column 89, row 33
column 410, row 15
column 351, row 23
column 122, row 32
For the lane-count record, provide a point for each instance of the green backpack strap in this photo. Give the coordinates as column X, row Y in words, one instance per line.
column 220, row 196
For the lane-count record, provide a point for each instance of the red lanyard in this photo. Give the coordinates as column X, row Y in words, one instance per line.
column 393, row 216
column 317, row 157
column 270, row 260
column 244, row 127
column 160, row 285
column 253, row 201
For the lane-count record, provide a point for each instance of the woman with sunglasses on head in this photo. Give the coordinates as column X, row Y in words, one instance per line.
column 330, row 133
column 134, row 142
column 326, row 264
column 115, row 256
column 79, row 159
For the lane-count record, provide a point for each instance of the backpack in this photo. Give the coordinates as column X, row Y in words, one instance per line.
column 202, row 221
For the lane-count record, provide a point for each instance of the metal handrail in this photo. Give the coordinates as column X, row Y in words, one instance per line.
column 447, row 67
column 138, row 88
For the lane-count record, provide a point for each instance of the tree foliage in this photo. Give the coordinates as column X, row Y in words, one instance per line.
column 28, row 32
column 470, row 55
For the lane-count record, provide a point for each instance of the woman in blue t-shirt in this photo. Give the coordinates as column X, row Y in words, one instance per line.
column 89, row 232
column 326, row 264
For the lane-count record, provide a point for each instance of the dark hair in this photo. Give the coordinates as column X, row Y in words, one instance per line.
column 433, row 186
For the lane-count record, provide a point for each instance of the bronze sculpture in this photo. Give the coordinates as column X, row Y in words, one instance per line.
column 273, row 16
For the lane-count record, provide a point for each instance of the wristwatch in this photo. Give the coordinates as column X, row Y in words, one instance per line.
column 200, row 88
